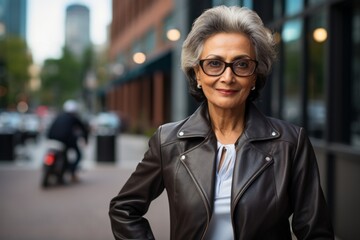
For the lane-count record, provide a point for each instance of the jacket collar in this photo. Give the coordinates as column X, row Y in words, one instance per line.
column 257, row 126
column 202, row 169
column 197, row 125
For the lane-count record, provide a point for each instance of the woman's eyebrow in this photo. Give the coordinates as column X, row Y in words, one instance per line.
column 213, row 56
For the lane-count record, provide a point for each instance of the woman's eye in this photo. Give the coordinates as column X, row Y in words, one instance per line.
column 214, row 63
column 242, row 64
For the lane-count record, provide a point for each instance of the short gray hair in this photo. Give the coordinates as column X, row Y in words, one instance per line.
column 228, row 19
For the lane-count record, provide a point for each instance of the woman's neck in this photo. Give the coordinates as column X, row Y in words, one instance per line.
column 228, row 124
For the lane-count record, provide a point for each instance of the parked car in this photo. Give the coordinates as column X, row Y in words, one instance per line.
column 106, row 123
column 23, row 125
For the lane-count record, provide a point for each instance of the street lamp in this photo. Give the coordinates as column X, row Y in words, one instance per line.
column 320, row 35
column 173, row 34
column 139, row 57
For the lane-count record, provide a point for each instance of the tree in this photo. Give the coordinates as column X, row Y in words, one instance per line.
column 14, row 73
column 61, row 79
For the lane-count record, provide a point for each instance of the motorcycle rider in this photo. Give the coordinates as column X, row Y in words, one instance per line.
column 68, row 128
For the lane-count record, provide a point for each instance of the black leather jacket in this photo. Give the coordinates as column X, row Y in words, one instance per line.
column 275, row 175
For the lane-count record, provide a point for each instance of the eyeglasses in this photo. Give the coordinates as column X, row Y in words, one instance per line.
column 243, row 67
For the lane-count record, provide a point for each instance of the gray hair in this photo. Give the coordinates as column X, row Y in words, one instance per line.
column 228, row 19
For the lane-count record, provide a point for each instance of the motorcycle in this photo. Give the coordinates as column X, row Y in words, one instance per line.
column 54, row 164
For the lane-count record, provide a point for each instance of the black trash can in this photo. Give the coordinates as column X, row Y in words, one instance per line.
column 7, row 145
column 106, row 148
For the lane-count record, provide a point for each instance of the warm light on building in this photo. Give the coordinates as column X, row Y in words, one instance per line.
column 173, row 34
column 139, row 57
column 320, row 35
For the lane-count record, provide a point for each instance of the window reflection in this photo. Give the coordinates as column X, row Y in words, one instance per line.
column 292, row 31
column 292, row 7
column 232, row 2
column 291, row 35
column 355, row 125
column 150, row 41
column 277, row 9
column 226, row 2
column 316, row 109
column 248, row 3
column 275, row 83
column 314, row 2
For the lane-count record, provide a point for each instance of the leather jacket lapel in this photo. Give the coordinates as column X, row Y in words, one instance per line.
column 199, row 159
column 200, row 162
column 248, row 166
column 250, row 161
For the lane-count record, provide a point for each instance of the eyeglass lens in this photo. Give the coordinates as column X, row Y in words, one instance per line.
column 241, row 67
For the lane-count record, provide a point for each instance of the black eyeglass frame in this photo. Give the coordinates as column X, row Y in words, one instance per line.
column 228, row 64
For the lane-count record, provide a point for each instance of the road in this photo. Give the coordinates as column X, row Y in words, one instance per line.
column 77, row 211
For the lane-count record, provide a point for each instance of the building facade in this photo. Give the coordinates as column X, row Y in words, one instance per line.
column 140, row 50
column 13, row 15
column 13, row 18
column 77, row 29
column 315, row 82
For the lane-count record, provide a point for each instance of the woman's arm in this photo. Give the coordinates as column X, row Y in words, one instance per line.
column 311, row 219
column 144, row 185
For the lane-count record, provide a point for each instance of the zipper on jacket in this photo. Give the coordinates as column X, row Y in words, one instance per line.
column 202, row 198
column 243, row 190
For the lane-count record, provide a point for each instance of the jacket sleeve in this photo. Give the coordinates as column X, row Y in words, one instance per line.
column 311, row 219
column 130, row 205
column 84, row 128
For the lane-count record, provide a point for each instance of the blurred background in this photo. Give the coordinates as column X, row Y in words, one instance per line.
column 120, row 60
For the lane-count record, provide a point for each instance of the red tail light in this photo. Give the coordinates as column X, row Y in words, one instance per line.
column 49, row 159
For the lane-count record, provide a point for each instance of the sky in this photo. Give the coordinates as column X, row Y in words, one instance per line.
column 46, row 21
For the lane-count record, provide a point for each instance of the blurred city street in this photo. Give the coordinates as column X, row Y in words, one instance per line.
column 75, row 211
column 121, row 65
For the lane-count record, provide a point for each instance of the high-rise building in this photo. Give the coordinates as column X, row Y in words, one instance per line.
column 13, row 18
column 77, row 29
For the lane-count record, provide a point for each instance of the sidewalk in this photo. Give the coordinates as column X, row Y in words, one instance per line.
column 129, row 149
column 77, row 211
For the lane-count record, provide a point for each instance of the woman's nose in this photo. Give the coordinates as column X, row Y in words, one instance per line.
column 228, row 75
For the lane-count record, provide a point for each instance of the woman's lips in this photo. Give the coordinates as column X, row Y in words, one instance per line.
column 226, row 91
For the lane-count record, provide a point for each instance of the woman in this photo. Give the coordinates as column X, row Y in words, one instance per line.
column 229, row 171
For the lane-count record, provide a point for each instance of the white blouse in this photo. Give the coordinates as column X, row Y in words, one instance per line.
column 220, row 224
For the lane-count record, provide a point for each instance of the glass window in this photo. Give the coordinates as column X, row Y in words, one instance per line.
column 232, row 2
column 217, row 2
column 316, row 109
column 291, row 36
column 248, row 3
column 150, row 41
column 169, row 23
column 314, row 2
column 137, row 47
column 275, row 81
column 355, row 121
column 226, row 2
column 293, row 7
column 277, row 9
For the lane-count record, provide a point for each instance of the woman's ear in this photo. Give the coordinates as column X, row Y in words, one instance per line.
column 197, row 74
column 254, row 79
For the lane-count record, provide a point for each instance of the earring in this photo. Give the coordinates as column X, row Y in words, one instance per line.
column 253, row 88
column 199, row 86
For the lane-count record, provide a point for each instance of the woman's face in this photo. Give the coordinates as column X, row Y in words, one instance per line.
column 227, row 90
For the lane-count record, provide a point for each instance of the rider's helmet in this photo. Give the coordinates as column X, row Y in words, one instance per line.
column 70, row 106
